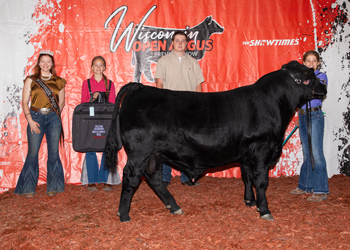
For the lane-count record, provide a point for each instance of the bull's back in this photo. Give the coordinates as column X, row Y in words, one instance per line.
column 188, row 110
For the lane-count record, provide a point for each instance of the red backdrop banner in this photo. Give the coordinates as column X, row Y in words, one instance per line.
column 236, row 42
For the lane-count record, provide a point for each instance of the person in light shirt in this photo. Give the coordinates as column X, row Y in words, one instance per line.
column 181, row 72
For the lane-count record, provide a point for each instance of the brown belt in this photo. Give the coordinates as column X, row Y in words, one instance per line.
column 43, row 111
column 303, row 111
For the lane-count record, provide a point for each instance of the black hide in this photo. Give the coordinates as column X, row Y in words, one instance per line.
column 197, row 131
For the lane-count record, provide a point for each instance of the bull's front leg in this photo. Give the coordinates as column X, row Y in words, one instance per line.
column 131, row 180
column 247, row 176
column 261, row 182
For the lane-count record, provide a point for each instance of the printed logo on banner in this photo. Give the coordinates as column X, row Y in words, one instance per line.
column 274, row 42
column 149, row 43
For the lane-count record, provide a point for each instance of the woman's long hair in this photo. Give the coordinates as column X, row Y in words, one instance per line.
column 37, row 69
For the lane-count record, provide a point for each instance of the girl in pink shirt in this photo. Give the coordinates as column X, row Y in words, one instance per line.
column 99, row 84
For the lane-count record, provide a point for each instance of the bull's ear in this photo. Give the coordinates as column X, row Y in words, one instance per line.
column 294, row 63
column 209, row 19
column 291, row 65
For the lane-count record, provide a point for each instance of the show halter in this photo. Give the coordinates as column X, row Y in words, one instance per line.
column 298, row 81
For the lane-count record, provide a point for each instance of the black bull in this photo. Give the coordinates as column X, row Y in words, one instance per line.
column 197, row 131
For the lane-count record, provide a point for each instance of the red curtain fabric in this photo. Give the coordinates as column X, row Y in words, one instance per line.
column 237, row 42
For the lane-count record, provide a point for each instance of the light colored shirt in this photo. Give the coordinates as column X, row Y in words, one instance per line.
column 182, row 75
column 97, row 86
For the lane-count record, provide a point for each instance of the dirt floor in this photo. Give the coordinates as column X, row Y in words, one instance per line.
column 215, row 217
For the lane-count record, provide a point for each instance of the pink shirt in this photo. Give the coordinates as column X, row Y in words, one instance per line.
column 96, row 86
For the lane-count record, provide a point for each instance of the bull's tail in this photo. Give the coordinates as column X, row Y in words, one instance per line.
column 114, row 141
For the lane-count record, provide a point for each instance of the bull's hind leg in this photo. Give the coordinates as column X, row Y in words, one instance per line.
column 247, row 176
column 155, row 181
column 261, row 182
column 131, row 180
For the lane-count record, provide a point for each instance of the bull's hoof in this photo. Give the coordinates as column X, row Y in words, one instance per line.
column 179, row 211
column 267, row 217
column 249, row 203
column 124, row 218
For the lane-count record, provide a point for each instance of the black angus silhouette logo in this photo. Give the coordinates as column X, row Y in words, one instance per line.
column 148, row 43
column 152, row 43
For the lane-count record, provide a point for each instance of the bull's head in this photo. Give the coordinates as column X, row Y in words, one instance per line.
column 304, row 75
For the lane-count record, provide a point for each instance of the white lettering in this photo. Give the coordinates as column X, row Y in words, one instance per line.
column 285, row 42
column 274, row 42
column 257, row 43
column 98, row 130
column 128, row 29
column 192, row 53
column 269, row 42
column 146, row 36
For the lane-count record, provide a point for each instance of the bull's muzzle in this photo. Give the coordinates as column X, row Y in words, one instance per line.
column 319, row 91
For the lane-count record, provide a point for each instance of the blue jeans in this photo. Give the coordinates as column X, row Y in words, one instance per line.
column 50, row 125
column 96, row 174
column 313, row 180
column 167, row 174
